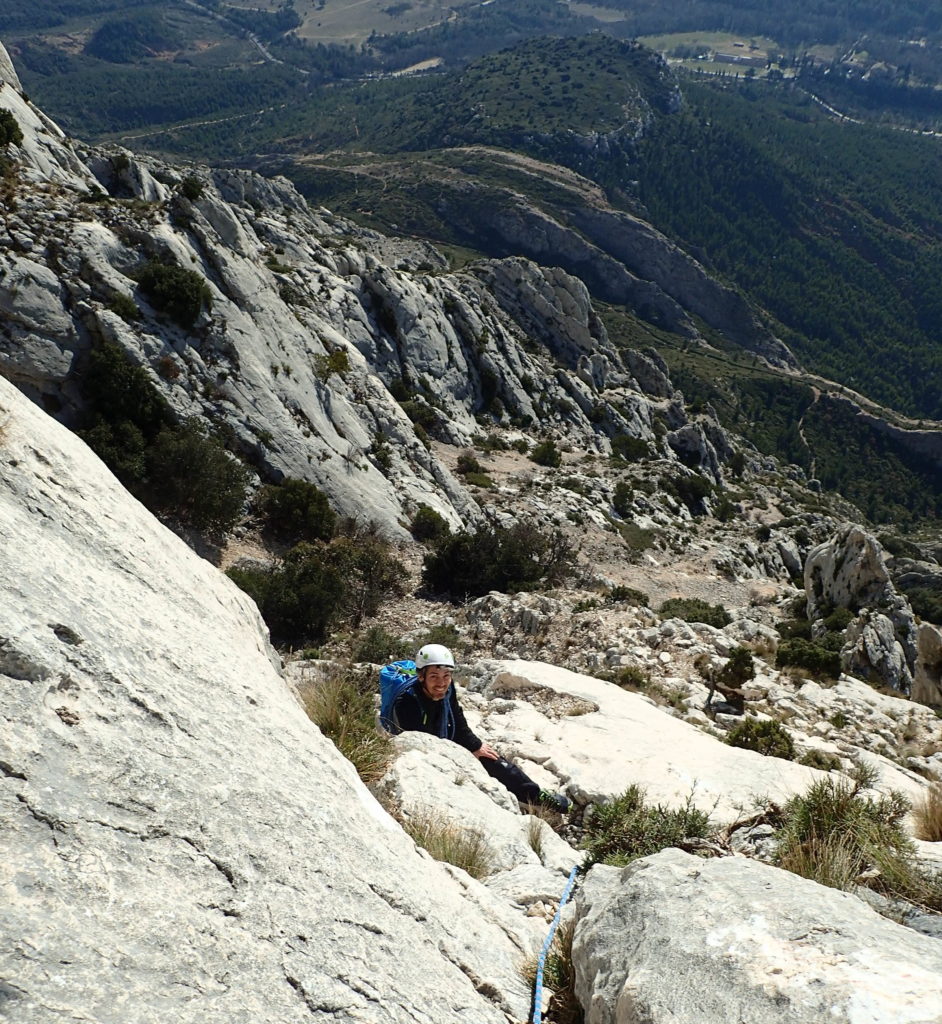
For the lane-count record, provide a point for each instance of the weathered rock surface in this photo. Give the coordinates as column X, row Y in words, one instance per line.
column 927, row 678
column 311, row 331
column 179, row 841
column 596, row 739
column 849, row 571
column 674, row 938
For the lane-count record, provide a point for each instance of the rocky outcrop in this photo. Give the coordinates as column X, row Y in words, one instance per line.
column 180, row 842
column 621, row 258
column 310, row 331
column 676, row 938
column 8, row 73
column 849, row 571
column 927, row 677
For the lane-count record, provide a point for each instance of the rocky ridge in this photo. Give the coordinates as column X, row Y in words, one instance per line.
column 311, row 329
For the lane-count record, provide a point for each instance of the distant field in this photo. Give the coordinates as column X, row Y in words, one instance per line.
column 352, row 21
column 720, row 41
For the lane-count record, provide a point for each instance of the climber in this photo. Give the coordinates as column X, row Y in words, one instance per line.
column 430, row 705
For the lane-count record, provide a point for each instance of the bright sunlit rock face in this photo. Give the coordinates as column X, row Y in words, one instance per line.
column 180, row 841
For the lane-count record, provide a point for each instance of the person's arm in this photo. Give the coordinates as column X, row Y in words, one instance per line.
column 463, row 734
column 407, row 714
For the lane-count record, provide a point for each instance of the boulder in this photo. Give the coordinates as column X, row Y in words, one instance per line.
column 872, row 652
column 675, row 938
column 180, row 842
column 927, row 678
column 849, row 571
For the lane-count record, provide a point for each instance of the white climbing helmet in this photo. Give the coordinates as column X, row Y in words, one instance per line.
column 434, row 654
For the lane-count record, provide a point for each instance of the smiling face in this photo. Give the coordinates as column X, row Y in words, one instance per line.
column 435, row 681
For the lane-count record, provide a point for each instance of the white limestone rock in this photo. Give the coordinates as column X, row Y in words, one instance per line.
column 676, row 938
column 180, row 842
column 8, row 73
column 927, row 677
column 433, row 776
column 849, row 571
column 597, row 739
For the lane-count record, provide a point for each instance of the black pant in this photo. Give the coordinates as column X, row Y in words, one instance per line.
column 512, row 778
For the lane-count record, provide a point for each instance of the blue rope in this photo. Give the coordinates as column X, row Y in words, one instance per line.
column 538, row 990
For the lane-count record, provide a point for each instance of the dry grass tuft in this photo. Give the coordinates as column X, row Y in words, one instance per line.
column 340, row 701
column 465, row 848
column 535, row 835
column 559, row 976
column 927, row 813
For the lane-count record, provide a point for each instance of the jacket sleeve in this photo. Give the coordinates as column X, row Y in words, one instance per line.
column 463, row 734
column 407, row 714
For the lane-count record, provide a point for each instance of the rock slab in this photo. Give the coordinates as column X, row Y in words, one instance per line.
column 178, row 842
column 674, row 939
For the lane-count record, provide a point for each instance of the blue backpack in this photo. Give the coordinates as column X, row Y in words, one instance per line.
column 394, row 679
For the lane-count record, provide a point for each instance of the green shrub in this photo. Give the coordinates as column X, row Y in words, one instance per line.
column 370, row 572
column 838, row 837
column 444, row 633
column 899, row 547
column 122, row 447
column 839, row 620
column 765, row 736
column 298, row 598
column 739, row 669
column 926, row 603
column 124, row 306
column 631, row 677
column 195, row 479
column 481, row 480
column 508, row 559
column 422, row 414
column 692, row 609
column 377, row 646
column 627, row 595
column 791, row 629
column 192, row 188
column 467, row 463
column 10, row 131
column 625, row 828
column 296, row 510
column 691, row 490
column 173, row 290
column 807, row 655
column 631, row 449
column 336, row 361
column 340, row 703
column 319, row 586
column 427, row 524
column 547, row 454
column 621, row 499
column 175, row 469
column 118, row 392
column 636, row 538
column 820, row 760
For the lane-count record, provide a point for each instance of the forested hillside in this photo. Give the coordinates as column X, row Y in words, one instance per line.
column 832, row 228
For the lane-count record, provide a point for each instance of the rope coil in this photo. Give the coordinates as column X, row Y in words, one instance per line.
column 538, row 988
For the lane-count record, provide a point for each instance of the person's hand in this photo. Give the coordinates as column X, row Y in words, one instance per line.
column 486, row 750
